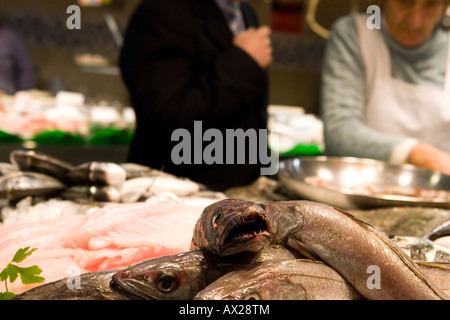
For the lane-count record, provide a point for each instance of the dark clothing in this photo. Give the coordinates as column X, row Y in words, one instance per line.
column 16, row 69
column 180, row 66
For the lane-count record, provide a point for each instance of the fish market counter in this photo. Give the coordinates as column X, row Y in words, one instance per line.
column 142, row 221
column 74, row 154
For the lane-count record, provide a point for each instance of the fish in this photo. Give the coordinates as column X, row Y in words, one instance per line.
column 98, row 173
column 30, row 160
column 366, row 257
column 182, row 276
column 6, row 168
column 91, row 193
column 88, row 286
column 134, row 170
column 174, row 277
column 232, row 226
column 144, row 187
column 200, row 199
column 298, row 279
column 18, row 185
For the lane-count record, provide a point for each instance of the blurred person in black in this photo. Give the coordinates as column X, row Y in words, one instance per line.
column 186, row 61
column 16, row 68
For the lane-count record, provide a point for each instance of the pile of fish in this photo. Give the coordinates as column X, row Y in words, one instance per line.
column 41, row 177
column 31, row 173
column 276, row 250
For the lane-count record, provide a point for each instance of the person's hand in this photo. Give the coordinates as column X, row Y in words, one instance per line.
column 257, row 44
column 429, row 157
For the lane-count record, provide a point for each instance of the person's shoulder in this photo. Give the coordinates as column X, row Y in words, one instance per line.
column 345, row 23
column 344, row 38
column 345, row 29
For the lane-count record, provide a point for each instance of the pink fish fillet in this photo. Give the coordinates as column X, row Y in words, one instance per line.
column 106, row 238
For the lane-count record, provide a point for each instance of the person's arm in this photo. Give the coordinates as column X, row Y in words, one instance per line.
column 161, row 66
column 429, row 157
column 343, row 99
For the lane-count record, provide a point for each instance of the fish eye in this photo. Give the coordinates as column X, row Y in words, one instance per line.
column 166, row 282
column 251, row 296
column 217, row 217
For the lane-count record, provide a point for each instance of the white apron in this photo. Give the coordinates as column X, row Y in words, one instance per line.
column 397, row 107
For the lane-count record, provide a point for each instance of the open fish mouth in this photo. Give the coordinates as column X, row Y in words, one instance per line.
column 129, row 288
column 245, row 227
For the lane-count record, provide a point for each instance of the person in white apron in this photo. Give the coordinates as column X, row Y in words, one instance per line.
column 403, row 122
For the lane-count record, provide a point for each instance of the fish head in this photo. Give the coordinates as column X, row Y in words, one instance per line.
column 177, row 277
column 231, row 226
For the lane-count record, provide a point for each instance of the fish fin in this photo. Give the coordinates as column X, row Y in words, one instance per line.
column 433, row 264
column 348, row 214
column 299, row 247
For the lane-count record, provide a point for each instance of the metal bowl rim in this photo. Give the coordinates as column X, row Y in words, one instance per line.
column 387, row 198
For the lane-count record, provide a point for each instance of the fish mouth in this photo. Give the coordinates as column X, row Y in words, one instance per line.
column 130, row 288
column 251, row 228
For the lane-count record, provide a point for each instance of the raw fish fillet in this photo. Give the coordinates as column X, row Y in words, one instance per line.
column 106, row 238
column 135, row 225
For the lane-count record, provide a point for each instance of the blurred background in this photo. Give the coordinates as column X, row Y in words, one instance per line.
column 85, row 60
column 77, row 71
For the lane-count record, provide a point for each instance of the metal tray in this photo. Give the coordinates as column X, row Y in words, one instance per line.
column 345, row 182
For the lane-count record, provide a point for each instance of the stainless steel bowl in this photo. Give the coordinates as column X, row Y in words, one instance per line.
column 344, row 179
